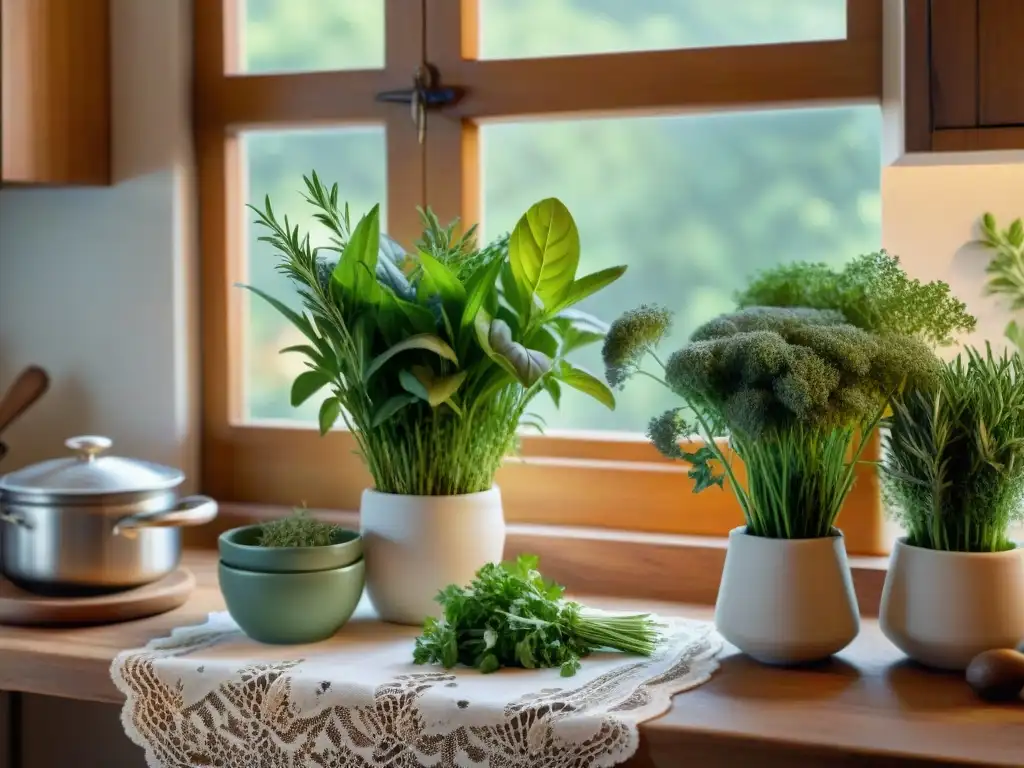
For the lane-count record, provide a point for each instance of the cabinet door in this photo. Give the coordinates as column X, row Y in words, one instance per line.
column 55, row 91
column 963, row 75
column 1001, row 62
column 954, row 63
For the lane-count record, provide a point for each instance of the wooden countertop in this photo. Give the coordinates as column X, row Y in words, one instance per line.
column 866, row 708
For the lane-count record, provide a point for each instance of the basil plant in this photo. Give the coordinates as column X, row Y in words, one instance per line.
column 431, row 357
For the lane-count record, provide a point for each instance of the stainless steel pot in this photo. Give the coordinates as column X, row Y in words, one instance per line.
column 94, row 523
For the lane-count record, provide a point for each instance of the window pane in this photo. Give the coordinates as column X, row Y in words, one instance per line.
column 518, row 29
column 311, row 35
column 693, row 204
column 276, row 161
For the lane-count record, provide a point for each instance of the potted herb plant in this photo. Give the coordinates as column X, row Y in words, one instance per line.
column 953, row 474
column 793, row 393
column 431, row 359
column 293, row 580
column 871, row 291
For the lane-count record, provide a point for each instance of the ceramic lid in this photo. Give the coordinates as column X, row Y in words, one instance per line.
column 90, row 473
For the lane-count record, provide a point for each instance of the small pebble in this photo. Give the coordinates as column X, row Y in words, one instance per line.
column 997, row 675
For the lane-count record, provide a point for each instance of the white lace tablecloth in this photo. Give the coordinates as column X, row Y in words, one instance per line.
column 209, row 696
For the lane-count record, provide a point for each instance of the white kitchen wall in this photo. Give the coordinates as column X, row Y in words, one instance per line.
column 930, row 212
column 97, row 285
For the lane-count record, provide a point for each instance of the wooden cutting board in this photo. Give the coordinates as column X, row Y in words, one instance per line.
column 22, row 608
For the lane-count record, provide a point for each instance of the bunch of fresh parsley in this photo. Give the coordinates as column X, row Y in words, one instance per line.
column 509, row 616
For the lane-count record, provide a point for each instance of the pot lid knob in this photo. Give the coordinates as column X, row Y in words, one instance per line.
column 88, row 447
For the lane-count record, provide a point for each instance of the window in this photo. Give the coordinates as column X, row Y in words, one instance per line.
column 695, row 140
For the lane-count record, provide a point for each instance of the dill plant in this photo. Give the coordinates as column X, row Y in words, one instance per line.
column 953, row 468
column 796, row 392
column 432, row 357
column 872, row 292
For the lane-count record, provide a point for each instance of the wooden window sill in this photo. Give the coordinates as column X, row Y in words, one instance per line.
column 868, row 707
column 597, row 561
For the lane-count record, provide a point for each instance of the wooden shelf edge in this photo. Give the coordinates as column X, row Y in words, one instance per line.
column 662, row 567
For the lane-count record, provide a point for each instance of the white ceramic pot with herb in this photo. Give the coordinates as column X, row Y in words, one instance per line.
column 291, row 581
column 793, row 394
column 432, row 359
column 953, row 475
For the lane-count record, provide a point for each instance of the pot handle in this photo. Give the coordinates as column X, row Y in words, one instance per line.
column 192, row 510
column 6, row 517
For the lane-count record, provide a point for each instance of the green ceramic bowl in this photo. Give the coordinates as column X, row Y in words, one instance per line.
column 291, row 608
column 239, row 549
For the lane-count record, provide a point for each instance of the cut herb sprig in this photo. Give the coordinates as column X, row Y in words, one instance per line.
column 510, row 616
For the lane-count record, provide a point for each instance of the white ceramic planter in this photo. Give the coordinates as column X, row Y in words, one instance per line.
column 786, row 601
column 944, row 608
column 415, row 546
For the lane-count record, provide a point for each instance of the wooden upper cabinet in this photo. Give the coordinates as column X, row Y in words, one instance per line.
column 964, row 70
column 55, row 92
column 1001, row 63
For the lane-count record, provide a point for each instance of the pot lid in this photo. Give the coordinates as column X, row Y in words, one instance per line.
column 91, row 473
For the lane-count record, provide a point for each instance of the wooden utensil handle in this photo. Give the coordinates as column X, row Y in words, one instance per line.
column 26, row 389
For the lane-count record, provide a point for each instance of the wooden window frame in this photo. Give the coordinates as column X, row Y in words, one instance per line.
column 608, row 480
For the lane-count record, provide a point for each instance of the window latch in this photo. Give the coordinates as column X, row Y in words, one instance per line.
column 426, row 93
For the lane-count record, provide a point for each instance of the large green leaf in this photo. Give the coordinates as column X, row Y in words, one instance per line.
column 330, row 410
column 441, row 280
column 307, row 384
column 528, row 364
column 390, row 407
column 420, row 318
column 439, row 389
column 544, row 251
column 574, row 337
column 424, row 341
column 553, row 388
column 479, row 284
column 589, row 285
column 391, row 320
column 585, row 382
column 413, row 385
column 482, row 328
column 356, row 271
column 543, row 340
column 511, row 294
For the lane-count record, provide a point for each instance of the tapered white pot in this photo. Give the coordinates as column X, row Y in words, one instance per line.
column 786, row 601
column 415, row 546
column 944, row 608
